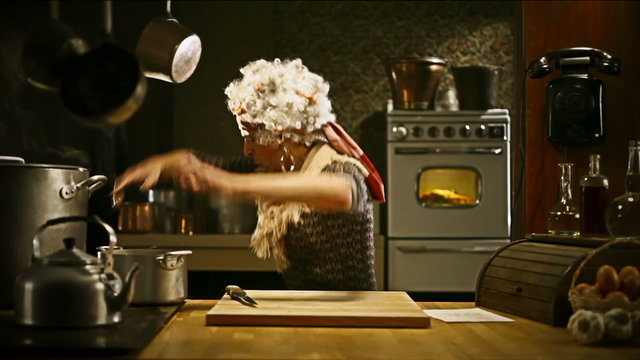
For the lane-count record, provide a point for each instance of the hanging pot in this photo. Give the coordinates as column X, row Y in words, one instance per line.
column 168, row 50
column 48, row 49
column 105, row 86
column 32, row 194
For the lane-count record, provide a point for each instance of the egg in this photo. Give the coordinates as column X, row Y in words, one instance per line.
column 591, row 290
column 607, row 279
column 630, row 281
column 619, row 298
column 580, row 288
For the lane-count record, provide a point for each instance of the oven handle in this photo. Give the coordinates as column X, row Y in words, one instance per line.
column 424, row 249
column 448, row 150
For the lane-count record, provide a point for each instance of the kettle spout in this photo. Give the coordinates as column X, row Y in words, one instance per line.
column 118, row 301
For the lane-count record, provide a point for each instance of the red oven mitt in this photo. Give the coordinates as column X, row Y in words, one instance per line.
column 341, row 142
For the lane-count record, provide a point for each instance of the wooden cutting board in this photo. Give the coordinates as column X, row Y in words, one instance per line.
column 321, row 308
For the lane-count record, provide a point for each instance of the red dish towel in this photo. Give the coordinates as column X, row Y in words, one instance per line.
column 341, row 142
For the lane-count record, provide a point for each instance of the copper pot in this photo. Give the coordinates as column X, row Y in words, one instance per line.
column 136, row 217
column 168, row 50
column 414, row 81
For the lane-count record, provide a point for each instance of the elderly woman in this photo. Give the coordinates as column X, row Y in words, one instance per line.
column 313, row 185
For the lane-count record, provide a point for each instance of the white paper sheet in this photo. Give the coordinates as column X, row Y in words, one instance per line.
column 465, row 315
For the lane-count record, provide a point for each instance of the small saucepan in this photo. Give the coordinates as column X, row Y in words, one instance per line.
column 48, row 49
column 105, row 86
column 168, row 50
column 163, row 275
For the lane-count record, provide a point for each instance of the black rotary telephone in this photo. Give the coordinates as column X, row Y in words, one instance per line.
column 574, row 100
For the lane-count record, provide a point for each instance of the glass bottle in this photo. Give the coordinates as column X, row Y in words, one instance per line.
column 622, row 216
column 563, row 217
column 594, row 189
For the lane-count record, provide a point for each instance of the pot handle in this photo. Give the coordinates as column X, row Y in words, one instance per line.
column 11, row 159
column 172, row 259
column 105, row 248
column 92, row 184
column 112, row 236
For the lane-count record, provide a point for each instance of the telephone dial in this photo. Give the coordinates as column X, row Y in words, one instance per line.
column 574, row 100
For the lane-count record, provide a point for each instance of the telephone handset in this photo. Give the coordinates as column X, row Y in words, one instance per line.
column 599, row 59
column 574, row 100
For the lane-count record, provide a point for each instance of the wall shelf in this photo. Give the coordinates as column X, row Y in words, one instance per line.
column 224, row 252
column 211, row 252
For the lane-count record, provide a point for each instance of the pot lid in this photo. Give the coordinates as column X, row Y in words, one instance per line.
column 14, row 161
column 41, row 166
column 70, row 255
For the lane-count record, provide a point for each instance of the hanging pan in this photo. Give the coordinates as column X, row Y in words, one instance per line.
column 48, row 49
column 105, row 86
column 168, row 50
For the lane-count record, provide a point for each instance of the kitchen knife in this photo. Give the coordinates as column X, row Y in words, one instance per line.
column 236, row 293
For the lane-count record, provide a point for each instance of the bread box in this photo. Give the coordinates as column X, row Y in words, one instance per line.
column 531, row 277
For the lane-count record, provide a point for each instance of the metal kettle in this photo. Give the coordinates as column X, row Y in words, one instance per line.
column 70, row 288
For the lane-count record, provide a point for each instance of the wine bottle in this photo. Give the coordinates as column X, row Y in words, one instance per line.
column 594, row 189
column 622, row 216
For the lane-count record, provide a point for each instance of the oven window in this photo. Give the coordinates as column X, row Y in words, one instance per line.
column 449, row 187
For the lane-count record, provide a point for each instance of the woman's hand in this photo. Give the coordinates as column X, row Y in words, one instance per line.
column 181, row 166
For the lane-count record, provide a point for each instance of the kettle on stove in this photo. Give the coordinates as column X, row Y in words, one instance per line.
column 70, row 288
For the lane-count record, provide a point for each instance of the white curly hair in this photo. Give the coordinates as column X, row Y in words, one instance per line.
column 284, row 98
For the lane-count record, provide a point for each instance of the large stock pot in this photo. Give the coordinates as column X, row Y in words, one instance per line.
column 32, row 194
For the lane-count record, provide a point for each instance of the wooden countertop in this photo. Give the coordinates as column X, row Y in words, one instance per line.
column 187, row 337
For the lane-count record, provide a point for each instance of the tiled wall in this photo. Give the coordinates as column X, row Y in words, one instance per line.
column 348, row 41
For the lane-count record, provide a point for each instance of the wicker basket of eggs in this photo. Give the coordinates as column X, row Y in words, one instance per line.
column 607, row 310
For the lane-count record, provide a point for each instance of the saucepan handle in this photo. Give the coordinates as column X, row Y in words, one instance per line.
column 172, row 259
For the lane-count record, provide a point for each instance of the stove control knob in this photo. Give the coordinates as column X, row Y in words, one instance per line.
column 465, row 131
column 449, row 131
column 417, row 131
column 399, row 132
column 482, row 131
column 433, row 132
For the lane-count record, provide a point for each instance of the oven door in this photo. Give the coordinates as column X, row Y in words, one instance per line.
column 448, row 190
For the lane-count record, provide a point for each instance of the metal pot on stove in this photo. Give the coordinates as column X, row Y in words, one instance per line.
column 163, row 277
column 32, row 194
column 414, row 81
column 70, row 288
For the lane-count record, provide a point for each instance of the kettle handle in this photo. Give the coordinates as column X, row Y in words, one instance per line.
column 66, row 219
